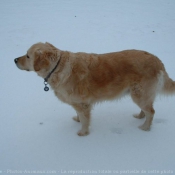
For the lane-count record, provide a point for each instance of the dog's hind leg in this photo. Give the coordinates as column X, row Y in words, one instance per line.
column 149, row 113
column 83, row 112
column 144, row 98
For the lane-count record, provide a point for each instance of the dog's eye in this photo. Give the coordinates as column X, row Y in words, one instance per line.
column 27, row 56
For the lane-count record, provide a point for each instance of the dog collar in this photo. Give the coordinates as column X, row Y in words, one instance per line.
column 46, row 88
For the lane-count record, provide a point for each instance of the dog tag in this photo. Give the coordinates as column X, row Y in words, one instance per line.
column 46, row 88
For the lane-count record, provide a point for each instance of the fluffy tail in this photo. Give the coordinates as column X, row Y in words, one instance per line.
column 169, row 85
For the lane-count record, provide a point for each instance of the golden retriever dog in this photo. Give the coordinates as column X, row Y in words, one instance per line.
column 83, row 79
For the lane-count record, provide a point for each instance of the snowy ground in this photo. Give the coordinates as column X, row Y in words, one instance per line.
column 37, row 134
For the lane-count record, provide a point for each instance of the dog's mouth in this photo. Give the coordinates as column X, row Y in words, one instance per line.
column 16, row 60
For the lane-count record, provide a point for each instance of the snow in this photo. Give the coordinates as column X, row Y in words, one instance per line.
column 37, row 133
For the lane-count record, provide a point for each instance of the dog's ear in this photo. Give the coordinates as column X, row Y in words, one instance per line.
column 51, row 55
column 54, row 52
column 47, row 43
column 41, row 61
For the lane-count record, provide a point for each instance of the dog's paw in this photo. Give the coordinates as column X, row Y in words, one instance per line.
column 83, row 133
column 138, row 116
column 144, row 127
column 76, row 119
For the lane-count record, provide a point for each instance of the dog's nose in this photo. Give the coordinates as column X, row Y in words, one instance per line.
column 16, row 60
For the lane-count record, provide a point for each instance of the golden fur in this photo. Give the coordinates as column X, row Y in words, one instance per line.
column 83, row 79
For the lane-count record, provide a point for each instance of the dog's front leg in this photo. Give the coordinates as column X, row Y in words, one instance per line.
column 83, row 111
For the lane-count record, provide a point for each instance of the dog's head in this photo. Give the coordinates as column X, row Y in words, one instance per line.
column 40, row 57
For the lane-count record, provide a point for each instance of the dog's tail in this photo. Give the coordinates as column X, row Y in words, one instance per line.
column 169, row 85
